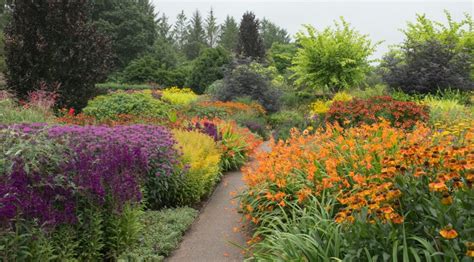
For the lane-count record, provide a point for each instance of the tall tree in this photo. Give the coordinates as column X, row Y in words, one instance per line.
column 229, row 34
column 163, row 29
column 130, row 24
column 250, row 42
column 196, row 36
column 271, row 33
column 212, row 29
column 51, row 43
column 180, row 30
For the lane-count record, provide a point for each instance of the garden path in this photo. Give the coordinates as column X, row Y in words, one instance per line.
column 218, row 231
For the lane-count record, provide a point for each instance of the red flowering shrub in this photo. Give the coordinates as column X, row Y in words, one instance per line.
column 358, row 111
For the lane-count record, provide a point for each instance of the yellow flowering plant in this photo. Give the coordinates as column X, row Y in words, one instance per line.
column 179, row 96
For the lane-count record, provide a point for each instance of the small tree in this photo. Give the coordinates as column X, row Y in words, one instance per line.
column 52, row 43
column 332, row 59
column 250, row 42
column 207, row 68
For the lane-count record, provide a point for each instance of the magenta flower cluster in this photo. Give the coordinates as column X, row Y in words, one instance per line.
column 103, row 166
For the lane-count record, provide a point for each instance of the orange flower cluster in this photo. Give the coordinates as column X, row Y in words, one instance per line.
column 235, row 107
column 359, row 167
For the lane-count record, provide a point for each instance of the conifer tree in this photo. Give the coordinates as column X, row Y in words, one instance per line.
column 250, row 42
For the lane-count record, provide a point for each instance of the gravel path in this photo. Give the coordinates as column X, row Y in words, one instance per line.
column 218, row 229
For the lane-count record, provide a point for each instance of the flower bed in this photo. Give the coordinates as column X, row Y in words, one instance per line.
column 382, row 190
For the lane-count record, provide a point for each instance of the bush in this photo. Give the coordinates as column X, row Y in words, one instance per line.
column 433, row 57
column 148, row 69
column 364, row 192
column 161, row 234
column 207, row 68
column 88, row 180
column 448, row 115
column 357, row 112
column 37, row 109
column 177, row 96
column 111, row 105
column 202, row 155
column 110, row 86
column 283, row 121
column 244, row 82
column 332, row 59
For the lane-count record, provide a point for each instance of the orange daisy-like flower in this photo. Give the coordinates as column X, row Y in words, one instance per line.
column 448, row 232
column 447, row 199
column 470, row 249
column 438, row 187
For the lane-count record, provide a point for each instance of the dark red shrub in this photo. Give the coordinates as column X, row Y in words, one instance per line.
column 358, row 111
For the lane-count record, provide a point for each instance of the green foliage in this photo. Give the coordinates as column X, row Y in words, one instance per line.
column 196, row 37
column 11, row 113
column 111, row 86
column 202, row 155
column 332, row 59
column 255, row 123
column 177, row 96
column 250, row 42
column 207, row 68
column 161, row 233
column 109, row 106
column 368, row 92
column 433, row 57
column 447, row 111
column 97, row 235
column 283, row 121
column 229, row 36
column 158, row 67
column 271, row 33
column 130, row 24
column 281, row 56
column 245, row 82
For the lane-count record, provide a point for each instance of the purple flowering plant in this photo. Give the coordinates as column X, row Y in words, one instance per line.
column 47, row 171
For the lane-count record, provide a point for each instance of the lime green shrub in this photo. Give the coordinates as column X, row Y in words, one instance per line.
column 179, row 96
column 202, row 155
column 448, row 114
column 140, row 103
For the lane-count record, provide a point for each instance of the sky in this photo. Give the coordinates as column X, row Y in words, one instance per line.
column 381, row 20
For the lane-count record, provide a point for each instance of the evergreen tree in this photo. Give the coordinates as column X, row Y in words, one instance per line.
column 229, row 34
column 250, row 42
column 164, row 29
column 180, row 30
column 52, row 43
column 129, row 23
column 196, row 36
column 271, row 33
column 212, row 29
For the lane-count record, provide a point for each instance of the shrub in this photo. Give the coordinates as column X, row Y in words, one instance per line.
column 110, row 86
column 177, row 96
column 244, row 82
column 202, row 155
column 111, row 105
column 87, row 179
column 332, row 59
column 448, row 115
column 53, row 42
column 357, row 112
column 433, row 57
column 254, row 123
column 207, row 68
column 388, row 192
column 283, row 121
column 36, row 109
column 161, row 234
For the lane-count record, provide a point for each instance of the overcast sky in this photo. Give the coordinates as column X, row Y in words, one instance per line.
column 381, row 19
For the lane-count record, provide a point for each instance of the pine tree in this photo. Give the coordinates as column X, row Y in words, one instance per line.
column 180, row 30
column 212, row 30
column 229, row 36
column 271, row 33
column 196, row 36
column 250, row 42
column 164, row 29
